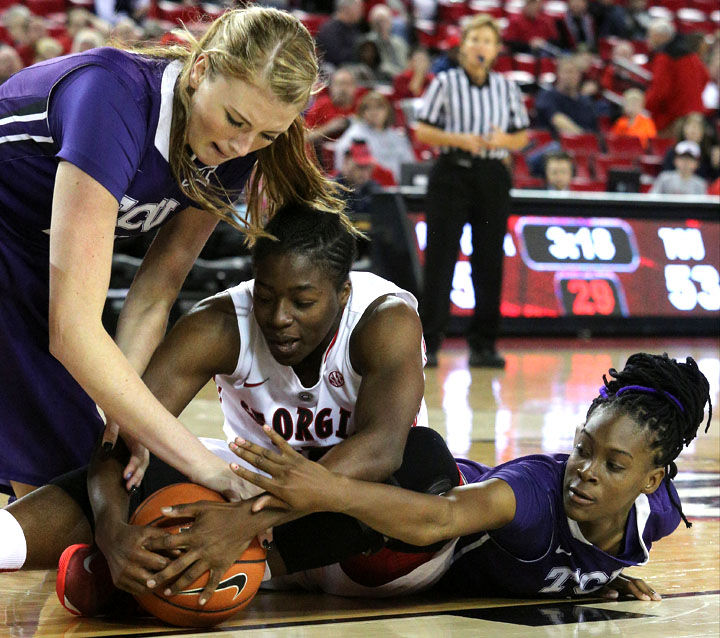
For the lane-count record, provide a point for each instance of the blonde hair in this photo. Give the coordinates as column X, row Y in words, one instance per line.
column 272, row 49
column 478, row 22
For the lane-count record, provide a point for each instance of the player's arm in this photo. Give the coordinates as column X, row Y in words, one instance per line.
column 386, row 350
column 202, row 343
column 143, row 319
column 412, row 517
column 81, row 245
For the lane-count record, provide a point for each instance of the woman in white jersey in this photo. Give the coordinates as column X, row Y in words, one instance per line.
column 331, row 359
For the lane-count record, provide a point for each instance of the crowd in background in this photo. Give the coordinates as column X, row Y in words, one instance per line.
column 627, row 87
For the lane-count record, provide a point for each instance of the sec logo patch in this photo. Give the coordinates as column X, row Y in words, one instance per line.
column 336, row 379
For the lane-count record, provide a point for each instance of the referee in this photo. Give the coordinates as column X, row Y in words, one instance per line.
column 475, row 116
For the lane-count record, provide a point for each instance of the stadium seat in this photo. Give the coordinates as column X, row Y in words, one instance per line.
column 661, row 145
column 43, row 7
column 624, row 146
column 503, row 63
column 539, row 137
column 603, row 163
column 651, row 164
column 525, row 62
column 523, row 181
column 450, row 11
column 175, row 13
column 581, row 144
column 312, row 21
column 582, row 166
column 587, row 185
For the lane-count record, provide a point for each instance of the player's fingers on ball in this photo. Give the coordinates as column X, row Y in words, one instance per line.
column 173, row 570
column 212, row 585
column 188, row 576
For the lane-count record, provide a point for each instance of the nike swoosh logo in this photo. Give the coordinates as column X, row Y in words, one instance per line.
column 560, row 550
column 236, row 582
column 254, row 385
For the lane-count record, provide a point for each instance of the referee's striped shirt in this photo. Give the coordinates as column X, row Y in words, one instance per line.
column 455, row 104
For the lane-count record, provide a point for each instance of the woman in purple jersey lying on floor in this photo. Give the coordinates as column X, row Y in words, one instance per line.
column 110, row 143
column 553, row 525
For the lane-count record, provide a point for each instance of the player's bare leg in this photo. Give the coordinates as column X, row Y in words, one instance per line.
column 50, row 521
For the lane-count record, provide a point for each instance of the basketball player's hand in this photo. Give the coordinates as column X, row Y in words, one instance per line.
column 139, row 454
column 629, row 586
column 131, row 563
column 210, row 544
column 295, row 482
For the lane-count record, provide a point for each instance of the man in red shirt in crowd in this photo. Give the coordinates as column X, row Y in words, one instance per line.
column 531, row 29
column 329, row 115
column 679, row 77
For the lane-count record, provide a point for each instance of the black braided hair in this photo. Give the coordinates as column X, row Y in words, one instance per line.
column 672, row 413
column 298, row 228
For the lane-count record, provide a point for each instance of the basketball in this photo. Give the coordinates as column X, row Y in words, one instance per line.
column 238, row 585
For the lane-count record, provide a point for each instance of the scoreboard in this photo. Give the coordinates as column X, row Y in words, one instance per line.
column 610, row 264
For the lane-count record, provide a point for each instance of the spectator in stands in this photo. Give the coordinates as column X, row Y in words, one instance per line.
column 449, row 49
column 15, row 20
column 10, row 62
column 682, row 180
column 694, row 128
column 388, row 145
column 368, row 70
column 559, row 170
column 47, row 48
column 711, row 93
column 392, row 48
column 413, row 81
column 356, row 175
column 591, row 69
column 87, row 39
column 126, row 32
column 634, row 122
column 576, row 26
column 337, row 39
column 618, row 75
column 639, row 19
column 610, row 19
column 563, row 109
column 530, row 30
column 329, row 115
column 679, row 76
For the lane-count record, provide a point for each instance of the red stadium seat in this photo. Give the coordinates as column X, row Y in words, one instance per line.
column 624, row 146
column 177, row 13
column 582, row 166
column 525, row 62
column 581, row 144
column 4, row 35
column 587, row 185
column 603, row 163
column 539, row 137
column 522, row 181
column 450, row 11
column 82, row 4
column 661, row 145
column 43, row 7
column 503, row 63
column 312, row 21
column 213, row 11
column 651, row 164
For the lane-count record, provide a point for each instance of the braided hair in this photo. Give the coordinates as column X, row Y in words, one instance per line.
column 298, row 228
column 664, row 396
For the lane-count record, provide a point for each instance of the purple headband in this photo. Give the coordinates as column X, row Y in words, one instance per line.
column 642, row 388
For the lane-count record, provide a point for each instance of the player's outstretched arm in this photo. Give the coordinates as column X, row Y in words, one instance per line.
column 418, row 519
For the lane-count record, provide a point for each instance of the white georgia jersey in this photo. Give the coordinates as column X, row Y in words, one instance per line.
column 261, row 390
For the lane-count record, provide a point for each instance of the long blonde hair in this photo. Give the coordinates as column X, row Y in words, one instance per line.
column 268, row 48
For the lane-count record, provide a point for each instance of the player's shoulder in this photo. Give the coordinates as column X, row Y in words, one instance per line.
column 214, row 315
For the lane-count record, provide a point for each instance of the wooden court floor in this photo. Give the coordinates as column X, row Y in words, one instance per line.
column 492, row 416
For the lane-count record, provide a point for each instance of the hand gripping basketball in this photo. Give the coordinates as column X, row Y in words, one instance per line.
column 233, row 589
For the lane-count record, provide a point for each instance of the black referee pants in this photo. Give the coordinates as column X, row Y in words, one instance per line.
column 463, row 190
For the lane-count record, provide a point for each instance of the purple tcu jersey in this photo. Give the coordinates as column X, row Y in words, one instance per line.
column 542, row 551
column 109, row 113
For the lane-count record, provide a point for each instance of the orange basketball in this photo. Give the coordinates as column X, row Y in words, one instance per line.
column 238, row 586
